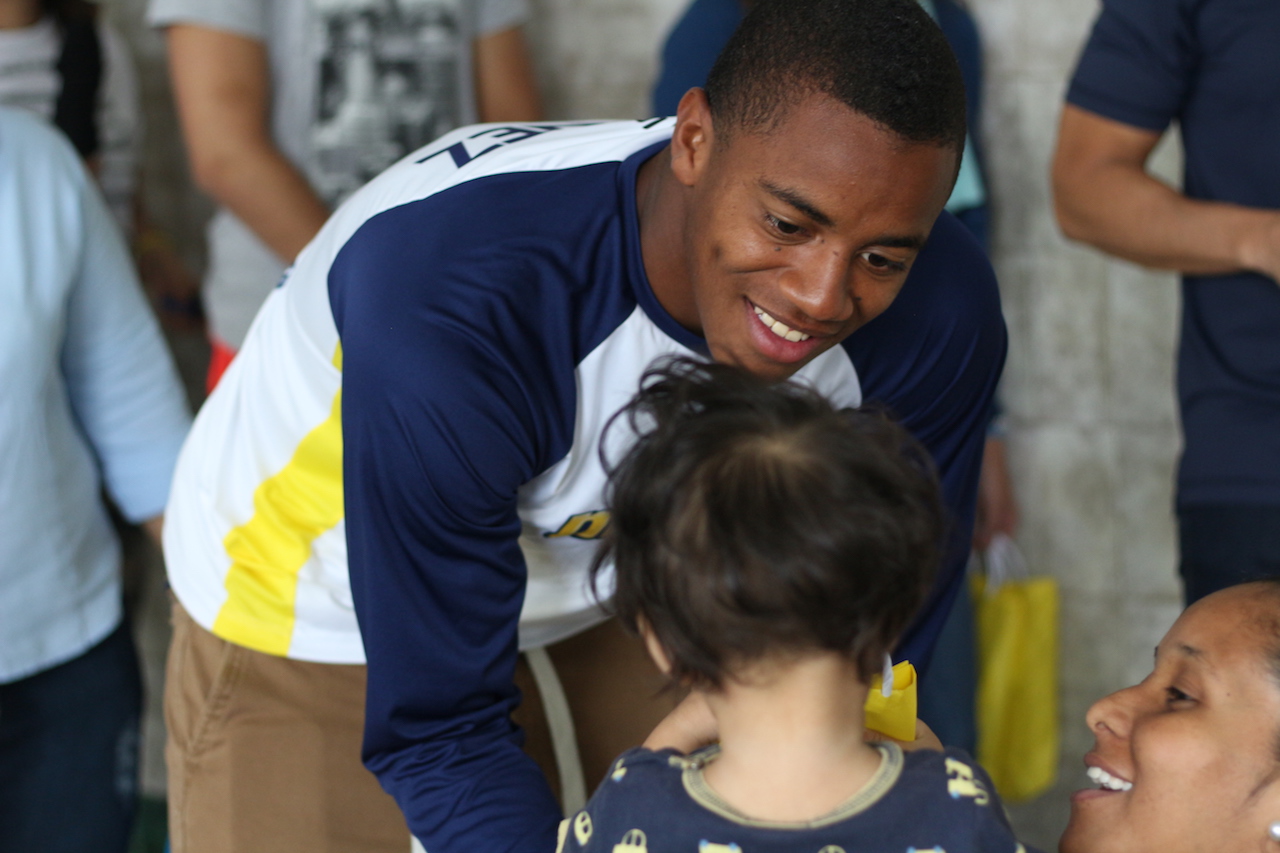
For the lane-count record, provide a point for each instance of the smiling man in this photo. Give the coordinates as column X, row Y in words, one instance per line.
column 411, row 434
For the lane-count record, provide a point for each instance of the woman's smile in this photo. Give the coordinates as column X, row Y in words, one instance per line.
column 1187, row 760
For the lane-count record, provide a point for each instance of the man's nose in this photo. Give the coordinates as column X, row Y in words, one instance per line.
column 822, row 287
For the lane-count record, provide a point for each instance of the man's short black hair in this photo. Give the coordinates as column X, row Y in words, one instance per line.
column 886, row 59
column 752, row 519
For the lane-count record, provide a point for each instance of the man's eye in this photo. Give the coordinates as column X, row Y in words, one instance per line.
column 790, row 229
column 1173, row 694
column 878, row 261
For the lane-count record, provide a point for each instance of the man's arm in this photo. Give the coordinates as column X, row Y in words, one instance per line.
column 1104, row 196
column 222, row 85
column 448, row 407
column 121, row 380
column 506, row 89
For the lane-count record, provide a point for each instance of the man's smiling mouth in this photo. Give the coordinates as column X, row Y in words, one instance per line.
column 780, row 328
column 1105, row 780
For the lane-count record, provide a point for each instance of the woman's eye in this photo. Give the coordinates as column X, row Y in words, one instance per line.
column 789, row 229
column 1173, row 694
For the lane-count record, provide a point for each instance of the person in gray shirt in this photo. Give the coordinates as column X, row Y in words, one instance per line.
column 287, row 107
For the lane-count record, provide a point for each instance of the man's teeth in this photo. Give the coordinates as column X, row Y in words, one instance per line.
column 780, row 328
column 1112, row 783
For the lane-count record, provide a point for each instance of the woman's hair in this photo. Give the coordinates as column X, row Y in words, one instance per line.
column 750, row 519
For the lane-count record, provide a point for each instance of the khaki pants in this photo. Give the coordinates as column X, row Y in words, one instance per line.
column 264, row 752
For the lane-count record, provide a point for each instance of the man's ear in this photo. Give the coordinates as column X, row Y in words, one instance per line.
column 651, row 644
column 693, row 139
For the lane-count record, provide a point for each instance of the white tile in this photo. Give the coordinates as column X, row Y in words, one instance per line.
column 1142, row 331
column 1064, row 476
column 1147, row 548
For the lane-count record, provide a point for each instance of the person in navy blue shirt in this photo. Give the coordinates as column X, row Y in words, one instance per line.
column 1213, row 68
column 419, row 405
column 497, row 295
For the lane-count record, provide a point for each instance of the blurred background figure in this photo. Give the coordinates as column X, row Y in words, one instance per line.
column 59, row 60
column 947, row 694
column 1214, row 68
column 289, row 107
column 90, row 400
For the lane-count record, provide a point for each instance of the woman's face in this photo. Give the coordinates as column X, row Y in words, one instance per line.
column 1191, row 751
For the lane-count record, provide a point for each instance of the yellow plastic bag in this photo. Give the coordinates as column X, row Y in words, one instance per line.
column 1017, row 626
column 894, row 715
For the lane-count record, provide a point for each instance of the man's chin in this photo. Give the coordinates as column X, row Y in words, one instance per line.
column 758, row 365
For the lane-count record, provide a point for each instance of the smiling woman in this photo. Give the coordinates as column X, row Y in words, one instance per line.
column 1189, row 759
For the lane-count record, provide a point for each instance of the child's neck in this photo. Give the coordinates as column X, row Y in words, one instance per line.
column 791, row 745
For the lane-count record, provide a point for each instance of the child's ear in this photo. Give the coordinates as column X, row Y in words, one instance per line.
column 655, row 649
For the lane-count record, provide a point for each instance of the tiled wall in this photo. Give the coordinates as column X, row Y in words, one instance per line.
column 1089, row 388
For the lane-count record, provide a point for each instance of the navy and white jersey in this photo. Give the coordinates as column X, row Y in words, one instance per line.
column 422, row 401
column 919, row 802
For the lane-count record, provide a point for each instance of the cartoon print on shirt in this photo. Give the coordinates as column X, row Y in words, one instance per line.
column 961, row 783
column 582, row 828
column 387, row 86
column 633, row 842
column 705, row 846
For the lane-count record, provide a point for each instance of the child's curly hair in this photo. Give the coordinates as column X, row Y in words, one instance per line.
column 750, row 519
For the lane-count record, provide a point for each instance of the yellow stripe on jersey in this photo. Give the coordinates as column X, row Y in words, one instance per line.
column 290, row 510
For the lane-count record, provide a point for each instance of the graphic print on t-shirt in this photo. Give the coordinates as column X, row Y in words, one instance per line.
column 388, row 84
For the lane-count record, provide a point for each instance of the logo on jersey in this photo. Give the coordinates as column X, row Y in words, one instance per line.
column 490, row 139
column 584, row 525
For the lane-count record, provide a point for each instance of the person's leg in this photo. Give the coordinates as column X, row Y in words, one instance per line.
column 69, row 753
column 1223, row 545
column 264, row 753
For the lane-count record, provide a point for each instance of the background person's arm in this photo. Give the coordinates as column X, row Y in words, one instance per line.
column 1104, row 196
column 222, row 85
column 506, row 89
column 120, row 377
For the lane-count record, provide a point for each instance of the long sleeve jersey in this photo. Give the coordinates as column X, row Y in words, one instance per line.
column 422, row 403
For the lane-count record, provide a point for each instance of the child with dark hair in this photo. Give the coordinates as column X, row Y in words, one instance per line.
column 771, row 549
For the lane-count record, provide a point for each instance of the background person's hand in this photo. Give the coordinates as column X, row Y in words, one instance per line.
column 925, row 738
column 689, row 727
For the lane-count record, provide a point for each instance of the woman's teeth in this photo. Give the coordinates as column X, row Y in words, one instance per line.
column 780, row 328
column 1112, row 783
